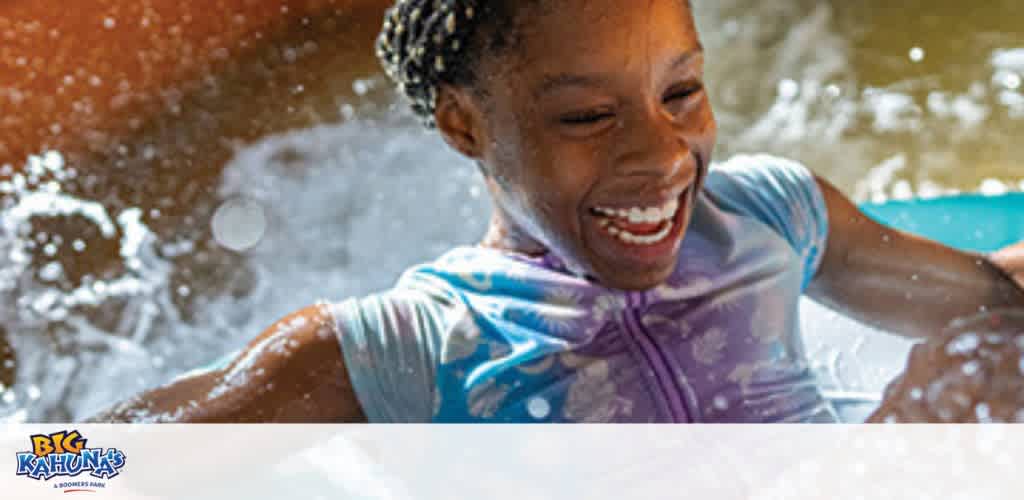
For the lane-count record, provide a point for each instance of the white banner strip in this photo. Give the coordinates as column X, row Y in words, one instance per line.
column 513, row 462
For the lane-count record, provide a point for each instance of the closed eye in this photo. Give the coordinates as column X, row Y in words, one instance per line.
column 684, row 92
column 585, row 118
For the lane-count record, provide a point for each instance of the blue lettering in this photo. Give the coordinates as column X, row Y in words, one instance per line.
column 41, row 469
column 25, row 463
column 57, row 462
column 91, row 458
column 103, row 465
column 117, row 457
column 109, row 464
column 73, row 465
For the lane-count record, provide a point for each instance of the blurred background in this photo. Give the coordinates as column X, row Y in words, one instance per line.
column 175, row 175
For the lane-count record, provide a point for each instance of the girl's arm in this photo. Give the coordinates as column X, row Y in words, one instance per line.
column 293, row 372
column 902, row 283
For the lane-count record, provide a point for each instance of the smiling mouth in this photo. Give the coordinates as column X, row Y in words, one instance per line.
column 640, row 226
column 642, row 235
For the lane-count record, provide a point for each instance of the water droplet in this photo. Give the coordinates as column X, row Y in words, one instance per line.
column 239, row 224
column 982, row 411
column 360, row 87
column 538, row 408
column 970, row 368
column 8, row 397
column 33, row 392
column 916, row 393
column 788, row 89
column 916, row 54
column 963, row 344
column 720, row 403
column 51, row 272
column 109, row 23
column 78, row 245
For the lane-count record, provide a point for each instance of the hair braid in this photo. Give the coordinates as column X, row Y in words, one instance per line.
column 424, row 43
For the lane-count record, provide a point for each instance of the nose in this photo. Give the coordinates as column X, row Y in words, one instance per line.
column 652, row 145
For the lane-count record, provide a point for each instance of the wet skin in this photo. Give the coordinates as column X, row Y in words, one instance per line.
column 608, row 110
column 971, row 373
column 1012, row 260
column 601, row 104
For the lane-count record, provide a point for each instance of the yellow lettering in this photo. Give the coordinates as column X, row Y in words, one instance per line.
column 72, row 443
column 41, row 445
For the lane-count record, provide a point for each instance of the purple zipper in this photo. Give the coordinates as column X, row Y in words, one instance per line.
column 662, row 373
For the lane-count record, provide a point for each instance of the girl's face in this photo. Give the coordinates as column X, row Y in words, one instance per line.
column 595, row 133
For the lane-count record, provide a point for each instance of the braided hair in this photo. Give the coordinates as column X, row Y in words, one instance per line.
column 424, row 43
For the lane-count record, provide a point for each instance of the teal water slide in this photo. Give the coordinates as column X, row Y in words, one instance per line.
column 968, row 222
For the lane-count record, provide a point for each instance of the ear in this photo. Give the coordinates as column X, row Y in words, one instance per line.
column 458, row 119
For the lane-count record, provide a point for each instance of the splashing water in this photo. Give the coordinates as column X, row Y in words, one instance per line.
column 973, row 375
column 311, row 217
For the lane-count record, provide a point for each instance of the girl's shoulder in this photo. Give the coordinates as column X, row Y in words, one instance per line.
column 780, row 194
column 760, row 175
column 772, row 189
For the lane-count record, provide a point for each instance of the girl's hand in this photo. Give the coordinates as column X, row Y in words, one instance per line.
column 970, row 373
column 1011, row 259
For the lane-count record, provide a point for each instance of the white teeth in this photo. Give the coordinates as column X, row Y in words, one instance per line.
column 637, row 215
column 669, row 210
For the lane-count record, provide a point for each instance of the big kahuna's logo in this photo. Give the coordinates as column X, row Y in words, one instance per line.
column 64, row 454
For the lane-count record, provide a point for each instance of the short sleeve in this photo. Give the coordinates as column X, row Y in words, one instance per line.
column 390, row 342
column 780, row 193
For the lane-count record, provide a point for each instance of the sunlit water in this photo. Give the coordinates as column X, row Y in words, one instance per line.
column 884, row 107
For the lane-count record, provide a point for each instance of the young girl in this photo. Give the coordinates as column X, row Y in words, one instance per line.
column 622, row 278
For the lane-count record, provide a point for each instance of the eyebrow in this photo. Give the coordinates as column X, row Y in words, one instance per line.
column 550, row 83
